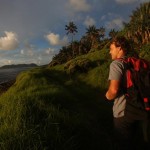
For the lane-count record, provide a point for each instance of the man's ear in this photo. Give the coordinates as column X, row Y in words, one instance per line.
column 120, row 48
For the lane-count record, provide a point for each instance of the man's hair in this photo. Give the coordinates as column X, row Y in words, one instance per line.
column 122, row 42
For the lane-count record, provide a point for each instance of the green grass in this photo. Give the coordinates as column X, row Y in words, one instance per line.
column 47, row 108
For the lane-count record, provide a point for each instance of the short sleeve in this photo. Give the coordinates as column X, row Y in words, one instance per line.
column 116, row 70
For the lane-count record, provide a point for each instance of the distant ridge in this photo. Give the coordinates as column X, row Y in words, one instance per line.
column 18, row 65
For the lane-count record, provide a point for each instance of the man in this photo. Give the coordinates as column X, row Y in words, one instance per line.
column 126, row 115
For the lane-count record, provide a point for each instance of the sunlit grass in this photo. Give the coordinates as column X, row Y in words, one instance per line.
column 47, row 108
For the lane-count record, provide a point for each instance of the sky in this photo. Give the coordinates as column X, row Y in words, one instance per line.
column 33, row 31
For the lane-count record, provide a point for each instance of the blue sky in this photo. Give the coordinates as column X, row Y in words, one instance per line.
column 33, row 31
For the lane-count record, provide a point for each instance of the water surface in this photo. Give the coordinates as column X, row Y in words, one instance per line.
column 11, row 73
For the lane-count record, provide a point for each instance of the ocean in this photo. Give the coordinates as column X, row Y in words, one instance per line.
column 11, row 73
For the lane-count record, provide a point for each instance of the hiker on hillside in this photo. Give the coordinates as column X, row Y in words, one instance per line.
column 125, row 115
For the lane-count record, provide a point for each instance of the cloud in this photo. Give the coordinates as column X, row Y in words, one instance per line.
column 112, row 21
column 5, row 62
column 31, row 20
column 103, row 17
column 9, row 41
column 89, row 21
column 50, row 51
column 115, row 23
column 22, row 51
column 79, row 5
column 54, row 39
column 32, row 54
column 28, row 50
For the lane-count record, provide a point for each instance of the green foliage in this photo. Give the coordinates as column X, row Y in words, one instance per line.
column 33, row 116
column 138, row 27
column 46, row 109
column 63, row 56
column 77, row 65
column 145, row 52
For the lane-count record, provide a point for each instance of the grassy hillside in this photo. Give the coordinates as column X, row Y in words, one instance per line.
column 59, row 108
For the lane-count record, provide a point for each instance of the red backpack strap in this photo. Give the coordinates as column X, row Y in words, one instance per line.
column 137, row 63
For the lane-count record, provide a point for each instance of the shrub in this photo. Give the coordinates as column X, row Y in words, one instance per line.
column 145, row 52
column 78, row 65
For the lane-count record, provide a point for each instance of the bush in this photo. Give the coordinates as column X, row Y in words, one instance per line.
column 145, row 52
column 77, row 65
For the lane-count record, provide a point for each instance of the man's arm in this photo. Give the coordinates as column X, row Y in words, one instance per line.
column 113, row 89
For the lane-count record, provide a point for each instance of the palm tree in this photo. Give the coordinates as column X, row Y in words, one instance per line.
column 95, row 35
column 75, row 47
column 101, row 32
column 139, row 26
column 71, row 28
column 85, row 45
column 92, row 34
column 112, row 33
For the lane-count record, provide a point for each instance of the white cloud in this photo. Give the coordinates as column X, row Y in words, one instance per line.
column 79, row 5
column 22, row 52
column 112, row 21
column 9, row 41
column 89, row 21
column 50, row 51
column 31, row 22
column 40, row 58
column 115, row 23
column 5, row 62
column 9, row 61
column 29, row 50
column 54, row 39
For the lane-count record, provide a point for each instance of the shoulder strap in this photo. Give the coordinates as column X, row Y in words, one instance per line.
column 138, row 63
column 135, row 63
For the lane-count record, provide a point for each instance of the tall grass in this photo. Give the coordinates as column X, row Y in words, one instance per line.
column 32, row 116
column 48, row 109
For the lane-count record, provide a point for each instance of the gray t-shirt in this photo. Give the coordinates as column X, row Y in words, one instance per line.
column 116, row 73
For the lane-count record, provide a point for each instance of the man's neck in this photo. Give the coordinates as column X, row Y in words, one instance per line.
column 120, row 55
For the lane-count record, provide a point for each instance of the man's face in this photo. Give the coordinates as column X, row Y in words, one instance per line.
column 114, row 51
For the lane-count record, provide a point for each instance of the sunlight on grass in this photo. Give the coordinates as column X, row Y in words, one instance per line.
column 47, row 108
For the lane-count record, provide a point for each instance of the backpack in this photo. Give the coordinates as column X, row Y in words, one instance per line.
column 137, row 82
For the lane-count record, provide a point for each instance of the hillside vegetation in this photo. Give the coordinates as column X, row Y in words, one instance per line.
column 51, row 108
column 62, row 106
column 47, row 108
